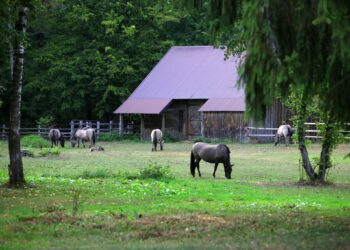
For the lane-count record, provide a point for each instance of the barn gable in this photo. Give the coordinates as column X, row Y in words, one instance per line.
column 192, row 91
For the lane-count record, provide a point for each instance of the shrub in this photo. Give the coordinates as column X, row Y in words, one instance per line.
column 155, row 171
column 33, row 141
column 117, row 137
column 49, row 151
column 171, row 137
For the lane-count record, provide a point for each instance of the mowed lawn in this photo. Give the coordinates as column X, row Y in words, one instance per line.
column 97, row 200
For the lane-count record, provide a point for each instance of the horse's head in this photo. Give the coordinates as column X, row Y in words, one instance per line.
column 228, row 170
column 62, row 141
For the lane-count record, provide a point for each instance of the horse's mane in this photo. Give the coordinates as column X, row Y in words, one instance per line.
column 225, row 146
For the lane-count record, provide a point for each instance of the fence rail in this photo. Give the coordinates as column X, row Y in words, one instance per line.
column 101, row 127
column 311, row 133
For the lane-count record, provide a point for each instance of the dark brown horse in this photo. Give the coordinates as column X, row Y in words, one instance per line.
column 56, row 137
column 213, row 154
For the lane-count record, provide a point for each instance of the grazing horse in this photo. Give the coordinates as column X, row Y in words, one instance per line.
column 56, row 136
column 82, row 135
column 212, row 154
column 285, row 131
column 157, row 137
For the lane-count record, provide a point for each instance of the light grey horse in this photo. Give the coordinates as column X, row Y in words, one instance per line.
column 56, row 137
column 82, row 135
column 157, row 137
column 213, row 154
column 285, row 131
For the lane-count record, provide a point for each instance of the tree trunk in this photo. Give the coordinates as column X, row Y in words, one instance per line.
column 15, row 168
column 325, row 157
column 301, row 141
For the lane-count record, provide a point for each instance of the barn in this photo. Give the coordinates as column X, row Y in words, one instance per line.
column 192, row 92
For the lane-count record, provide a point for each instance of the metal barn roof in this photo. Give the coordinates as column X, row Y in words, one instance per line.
column 188, row 72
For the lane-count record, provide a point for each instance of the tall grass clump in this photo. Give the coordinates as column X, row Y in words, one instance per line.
column 50, row 151
column 155, row 171
column 98, row 174
column 33, row 141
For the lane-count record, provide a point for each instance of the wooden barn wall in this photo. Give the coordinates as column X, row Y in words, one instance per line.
column 274, row 116
column 151, row 122
column 183, row 121
column 223, row 125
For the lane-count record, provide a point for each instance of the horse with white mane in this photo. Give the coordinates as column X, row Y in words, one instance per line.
column 285, row 131
column 82, row 135
column 157, row 137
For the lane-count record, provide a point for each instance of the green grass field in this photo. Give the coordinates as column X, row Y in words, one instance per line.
column 89, row 200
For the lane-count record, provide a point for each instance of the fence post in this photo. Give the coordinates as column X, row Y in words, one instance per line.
column 121, row 125
column 98, row 129
column 110, row 126
column 39, row 132
column 71, row 128
column 80, row 124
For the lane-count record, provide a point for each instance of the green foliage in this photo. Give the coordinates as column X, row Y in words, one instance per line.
column 88, row 56
column 167, row 137
column 50, row 151
column 155, row 171
column 45, row 121
column 117, row 137
column 96, row 173
column 33, row 141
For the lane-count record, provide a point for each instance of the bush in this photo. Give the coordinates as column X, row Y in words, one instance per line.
column 117, row 137
column 171, row 137
column 49, row 151
column 33, row 141
column 155, row 171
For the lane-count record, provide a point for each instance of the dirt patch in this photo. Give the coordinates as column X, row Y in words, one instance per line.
column 166, row 227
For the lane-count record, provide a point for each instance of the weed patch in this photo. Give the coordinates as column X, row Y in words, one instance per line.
column 155, row 171
column 33, row 141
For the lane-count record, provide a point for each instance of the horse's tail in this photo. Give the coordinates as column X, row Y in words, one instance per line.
column 290, row 131
column 193, row 165
column 154, row 139
column 93, row 137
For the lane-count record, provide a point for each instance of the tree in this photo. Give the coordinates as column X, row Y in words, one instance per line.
column 86, row 57
column 292, row 47
column 16, row 51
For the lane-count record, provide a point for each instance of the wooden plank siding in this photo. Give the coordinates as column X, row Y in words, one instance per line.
column 228, row 125
column 183, row 121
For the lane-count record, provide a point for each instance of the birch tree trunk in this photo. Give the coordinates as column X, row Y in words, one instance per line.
column 15, row 168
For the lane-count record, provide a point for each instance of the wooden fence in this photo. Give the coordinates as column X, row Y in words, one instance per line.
column 101, row 127
column 260, row 134
column 311, row 132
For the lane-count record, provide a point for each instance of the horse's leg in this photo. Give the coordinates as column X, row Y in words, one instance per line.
column 277, row 141
column 199, row 172
column 216, row 166
column 287, row 140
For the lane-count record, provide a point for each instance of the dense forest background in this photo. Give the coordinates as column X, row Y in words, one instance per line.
column 84, row 58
